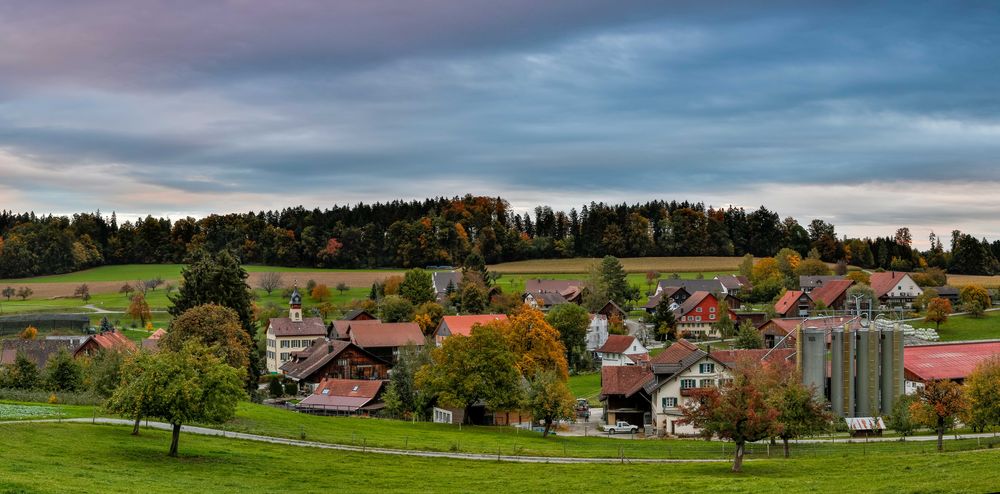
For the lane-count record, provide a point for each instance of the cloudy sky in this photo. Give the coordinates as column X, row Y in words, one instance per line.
column 871, row 117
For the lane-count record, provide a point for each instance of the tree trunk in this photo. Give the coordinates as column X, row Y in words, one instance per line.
column 548, row 425
column 173, row 440
column 135, row 428
column 785, row 440
column 940, row 432
column 738, row 459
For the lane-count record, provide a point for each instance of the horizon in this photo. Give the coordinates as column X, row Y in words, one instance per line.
column 869, row 117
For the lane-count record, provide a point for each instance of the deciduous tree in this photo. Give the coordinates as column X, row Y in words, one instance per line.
column 800, row 410
column 270, row 281
column 549, row 399
column 417, row 286
column 571, row 321
column 138, row 308
column 396, row 309
column 215, row 327
column 25, row 292
column 320, row 292
column 937, row 406
column 982, row 389
column 748, row 337
column 938, row 310
column 63, row 372
column 8, row 292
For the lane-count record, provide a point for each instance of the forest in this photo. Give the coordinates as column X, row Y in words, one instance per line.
column 443, row 231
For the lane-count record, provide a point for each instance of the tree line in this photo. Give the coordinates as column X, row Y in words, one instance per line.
column 444, row 231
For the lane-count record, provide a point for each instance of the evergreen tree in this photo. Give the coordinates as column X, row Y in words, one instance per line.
column 748, row 337
column 615, row 279
column 63, row 372
column 217, row 278
column 24, row 374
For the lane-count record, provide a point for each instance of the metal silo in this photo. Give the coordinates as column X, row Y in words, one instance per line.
column 863, row 403
column 842, row 371
column 888, row 374
column 897, row 361
column 814, row 360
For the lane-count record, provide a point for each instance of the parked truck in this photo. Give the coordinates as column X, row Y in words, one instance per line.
column 621, row 426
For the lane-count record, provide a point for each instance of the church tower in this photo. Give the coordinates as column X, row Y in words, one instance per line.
column 295, row 306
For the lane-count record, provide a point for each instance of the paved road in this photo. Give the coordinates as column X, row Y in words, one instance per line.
column 361, row 449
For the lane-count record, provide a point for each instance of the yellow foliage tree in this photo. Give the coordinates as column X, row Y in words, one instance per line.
column 535, row 343
column 29, row 333
column 320, row 292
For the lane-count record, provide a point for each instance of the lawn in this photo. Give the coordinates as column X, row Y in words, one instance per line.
column 95, row 458
column 586, row 385
column 664, row 265
column 959, row 328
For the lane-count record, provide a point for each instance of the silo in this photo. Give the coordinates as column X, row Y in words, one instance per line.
column 888, row 373
column 842, row 372
column 814, row 360
column 897, row 361
column 863, row 408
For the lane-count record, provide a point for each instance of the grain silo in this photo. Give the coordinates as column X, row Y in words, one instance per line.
column 814, row 362
column 842, row 371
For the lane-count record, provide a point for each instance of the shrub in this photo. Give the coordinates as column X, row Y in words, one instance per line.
column 275, row 389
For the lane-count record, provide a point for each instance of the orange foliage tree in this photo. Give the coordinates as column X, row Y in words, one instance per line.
column 938, row 404
column 29, row 333
column 535, row 343
column 320, row 292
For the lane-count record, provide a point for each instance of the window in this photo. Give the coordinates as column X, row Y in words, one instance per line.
column 342, row 362
column 284, row 356
column 687, row 383
column 711, row 309
column 706, row 383
column 285, row 343
column 668, row 402
column 270, row 355
column 706, row 368
column 270, row 343
column 698, row 310
column 697, row 318
column 725, row 382
column 711, row 316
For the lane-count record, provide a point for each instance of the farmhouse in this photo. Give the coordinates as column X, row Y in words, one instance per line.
column 344, row 397
column 545, row 294
column 383, row 339
column 623, row 394
column 445, row 282
column 677, row 372
column 152, row 343
column 734, row 285
column 622, row 350
column 894, row 288
column 337, row 359
column 455, row 325
column 108, row 340
column 611, row 311
column 37, row 351
column 691, row 286
column 809, row 283
column 699, row 312
column 794, row 303
column 833, row 294
column 676, row 294
column 290, row 334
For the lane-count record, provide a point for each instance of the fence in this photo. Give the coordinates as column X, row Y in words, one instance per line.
column 14, row 324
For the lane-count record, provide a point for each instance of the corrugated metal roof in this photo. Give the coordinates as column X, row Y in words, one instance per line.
column 947, row 361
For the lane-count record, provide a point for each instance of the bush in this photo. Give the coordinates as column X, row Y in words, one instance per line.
column 291, row 388
column 40, row 396
column 275, row 389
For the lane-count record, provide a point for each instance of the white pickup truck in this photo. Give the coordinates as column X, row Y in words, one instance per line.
column 621, row 426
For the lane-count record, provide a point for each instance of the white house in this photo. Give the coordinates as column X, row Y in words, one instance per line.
column 294, row 333
column 895, row 288
column 597, row 332
column 622, row 350
column 679, row 370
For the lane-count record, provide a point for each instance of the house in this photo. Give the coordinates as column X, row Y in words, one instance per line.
column 698, row 313
column 108, row 340
column 571, row 290
column 809, row 283
column 37, row 351
column 544, row 301
column 338, row 359
column 734, row 284
column 774, row 332
column 152, row 343
column 445, row 282
column 832, row 294
column 597, row 332
column 953, row 361
column 676, row 373
column 622, row 350
column 755, row 318
column 731, row 358
column 290, row 334
column 894, row 288
column 611, row 310
column 949, row 293
column 344, row 397
column 453, row 325
column 794, row 303
column 384, row 339
column 623, row 394
column 676, row 294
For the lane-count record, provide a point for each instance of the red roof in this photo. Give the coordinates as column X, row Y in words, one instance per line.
column 376, row 334
column 349, row 394
column 617, row 343
column 110, row 340
column 623, row 379
column 693, row 301
column 463, row 324
column 882, row 283
column 946, row 361
column 788, row 300
column 830, row 291
column 675, row 353
column 730, row 357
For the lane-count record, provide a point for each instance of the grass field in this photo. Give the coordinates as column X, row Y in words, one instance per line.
column 664, row 265
column 586, row 386
column 959, row 328
column 93, row 458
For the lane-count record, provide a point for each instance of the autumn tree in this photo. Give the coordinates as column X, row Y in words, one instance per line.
column 938, row 310
column 215, row 327
column 534, row 342
column 800, row 410
column 938, row 404
column 138, row 308
column 465, row 370
column 746, row 265
column 982, row 390
column 320, row 292
column 191, row 385
column 126, row 289
column 29, row 333
column 975, row 299
column 428, row 315
column 571, row 321
column 859, row 277
column 417, row 286
column 920, row 302
column 549, row 399
column 270, row 281
column 342, row 287
column 23, row 374
column 82, row 291
column 473, row 297
column 8, row 292
column 652, row 277
column 103, row 372
column 738, row 411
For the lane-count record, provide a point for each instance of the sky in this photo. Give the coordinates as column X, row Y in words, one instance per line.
column 868, row 116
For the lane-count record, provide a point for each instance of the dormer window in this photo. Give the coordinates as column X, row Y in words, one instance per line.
column 355, row 388
column 326, row 392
